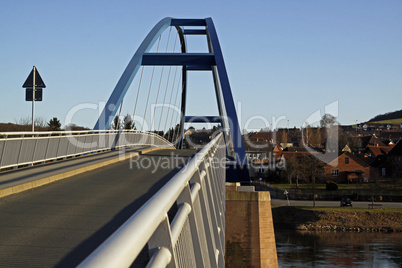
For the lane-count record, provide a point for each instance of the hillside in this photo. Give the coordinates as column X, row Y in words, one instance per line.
column 388, row 118
column 390, row 121
column 7, row 127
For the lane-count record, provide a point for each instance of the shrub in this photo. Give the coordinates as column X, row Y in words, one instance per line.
column 331, row 186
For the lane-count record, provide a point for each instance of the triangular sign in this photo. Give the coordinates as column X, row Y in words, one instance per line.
column 38, row 80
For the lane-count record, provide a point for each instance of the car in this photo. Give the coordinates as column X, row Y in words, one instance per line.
column 346, row 202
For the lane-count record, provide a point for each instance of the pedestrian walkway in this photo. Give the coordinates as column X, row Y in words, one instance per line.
column 15, row 181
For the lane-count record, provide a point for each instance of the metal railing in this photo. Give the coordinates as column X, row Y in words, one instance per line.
column 196, row 235
column 28, row 148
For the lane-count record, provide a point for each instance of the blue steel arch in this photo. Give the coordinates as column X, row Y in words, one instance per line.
column 212, row 61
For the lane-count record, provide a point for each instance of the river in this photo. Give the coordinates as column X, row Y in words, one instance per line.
column 338, row 249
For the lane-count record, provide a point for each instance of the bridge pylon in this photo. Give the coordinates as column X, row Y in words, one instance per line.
column 211, row 61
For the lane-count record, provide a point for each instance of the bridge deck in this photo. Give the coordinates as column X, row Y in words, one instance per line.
column 59, row 224
column 23, row 175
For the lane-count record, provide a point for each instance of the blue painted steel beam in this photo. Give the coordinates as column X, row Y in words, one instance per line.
column 234, row 126
column 199, row 68
column 188, row 22
column 182, row 59
column 194, row 32
column 203, row 119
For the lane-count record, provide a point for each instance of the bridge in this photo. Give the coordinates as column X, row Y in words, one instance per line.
column 114, row 197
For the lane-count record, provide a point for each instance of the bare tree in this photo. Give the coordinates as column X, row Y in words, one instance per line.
column 328, row 120
column 307, row 168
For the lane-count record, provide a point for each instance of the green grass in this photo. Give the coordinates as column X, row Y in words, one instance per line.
column 350, row 209
column 352, row 186
column 391, row 121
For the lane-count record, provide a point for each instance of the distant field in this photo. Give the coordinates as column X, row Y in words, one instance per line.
column 367, row 189
column 351, row 186
column 392, row 121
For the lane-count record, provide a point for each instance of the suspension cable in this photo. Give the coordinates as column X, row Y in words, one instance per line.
column 138, row 93
column 167, row 85
column 171, row 94
column 150, row 87
column 160, row 82
column 175, row 104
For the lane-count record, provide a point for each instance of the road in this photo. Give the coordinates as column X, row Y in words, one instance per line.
column 59, row 224
column 360, row 204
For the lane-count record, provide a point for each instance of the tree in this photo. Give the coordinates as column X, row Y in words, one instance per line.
column 307, row 134
column 116, row 123
column 284, row 139
column 54, row 124
column 328, row 120
column 315, row 138
column 305, row 167
column 128, row 122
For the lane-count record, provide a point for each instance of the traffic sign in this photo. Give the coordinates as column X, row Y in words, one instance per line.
column 29, row 94
column 38, row 80
column 33, row 85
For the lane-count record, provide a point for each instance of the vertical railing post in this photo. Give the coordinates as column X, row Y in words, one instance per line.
column 2, row 152
column 19, row 151
column 34, row 150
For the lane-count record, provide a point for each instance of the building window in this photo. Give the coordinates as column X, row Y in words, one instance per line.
column 347, row 160
column 261, row 170
column 383, row 172
column 335, row 172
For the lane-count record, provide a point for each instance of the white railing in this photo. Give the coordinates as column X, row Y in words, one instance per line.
column 196, row 235
column 27, row 148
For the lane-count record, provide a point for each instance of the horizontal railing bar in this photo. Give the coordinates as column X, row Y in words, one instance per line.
column 161, row 258
column 179, row 220
column 194, row 191
column 17, row 133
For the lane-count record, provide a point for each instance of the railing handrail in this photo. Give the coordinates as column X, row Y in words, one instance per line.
column 28, row 148
column 123, row 246
column 23, row 133
column 30, row 134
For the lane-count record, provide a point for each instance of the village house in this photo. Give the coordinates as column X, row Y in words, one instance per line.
column 347, row 168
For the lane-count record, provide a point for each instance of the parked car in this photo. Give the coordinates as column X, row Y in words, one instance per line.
column 346, row 202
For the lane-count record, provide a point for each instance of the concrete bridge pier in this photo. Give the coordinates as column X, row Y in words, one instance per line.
column 249, row 229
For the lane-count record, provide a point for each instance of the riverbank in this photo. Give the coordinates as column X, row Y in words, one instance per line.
column 336, row 219
column 357, row 192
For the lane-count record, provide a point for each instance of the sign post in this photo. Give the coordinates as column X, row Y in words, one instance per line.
column 34, row 85
column 33, row 99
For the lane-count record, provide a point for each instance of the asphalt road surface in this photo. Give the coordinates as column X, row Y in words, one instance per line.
column 59, row 224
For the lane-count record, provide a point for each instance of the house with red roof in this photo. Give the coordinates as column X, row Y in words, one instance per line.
column 347, row 168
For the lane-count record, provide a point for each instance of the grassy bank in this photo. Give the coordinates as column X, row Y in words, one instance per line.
column 358, row 192
column 338, row 219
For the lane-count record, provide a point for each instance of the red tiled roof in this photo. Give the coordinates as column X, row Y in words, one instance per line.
column 379, row 150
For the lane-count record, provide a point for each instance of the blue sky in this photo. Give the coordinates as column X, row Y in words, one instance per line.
column 284, row 58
